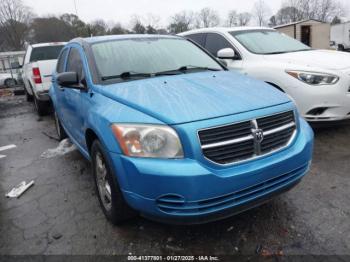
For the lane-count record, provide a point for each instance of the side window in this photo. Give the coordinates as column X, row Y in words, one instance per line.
column 215, row 42
column 61, row 61
column 75, row 63
column 198, row 38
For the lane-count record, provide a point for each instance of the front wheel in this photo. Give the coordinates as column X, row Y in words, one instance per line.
column 110, row 197
column 341, row 48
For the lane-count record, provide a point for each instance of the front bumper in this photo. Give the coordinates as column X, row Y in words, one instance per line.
column 42, row 91
column 322, row 103
column 189, row 191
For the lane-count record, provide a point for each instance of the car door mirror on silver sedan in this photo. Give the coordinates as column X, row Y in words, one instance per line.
column 226, row 53
column 70, row 80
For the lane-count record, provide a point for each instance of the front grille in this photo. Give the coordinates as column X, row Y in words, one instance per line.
column 232, row 199
column 245, row 140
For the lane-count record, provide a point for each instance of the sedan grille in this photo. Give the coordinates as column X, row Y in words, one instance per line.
column 245, row 140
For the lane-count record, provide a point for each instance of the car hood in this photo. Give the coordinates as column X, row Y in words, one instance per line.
column 195, row 96
column 332, row 60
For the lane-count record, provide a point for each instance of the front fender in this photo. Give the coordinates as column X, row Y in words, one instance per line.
column 103, row 112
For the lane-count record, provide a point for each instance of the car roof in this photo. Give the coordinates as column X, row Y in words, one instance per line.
column 225, row 29
column 96, row 39
column 48, row 44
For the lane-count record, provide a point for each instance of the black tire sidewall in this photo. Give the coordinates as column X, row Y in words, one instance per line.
column 40, row 107
column 29, row 98
column 9, row 80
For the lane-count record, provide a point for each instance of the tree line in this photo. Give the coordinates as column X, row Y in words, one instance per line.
column 18, row 24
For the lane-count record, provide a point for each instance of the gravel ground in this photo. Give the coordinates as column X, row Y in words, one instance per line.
column 60, row 214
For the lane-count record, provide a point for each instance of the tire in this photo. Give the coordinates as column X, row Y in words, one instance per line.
column 10, row 82
column 29, row 97
column 341, row 48
column 107, row 188
column 61, row 134
column 41, row 107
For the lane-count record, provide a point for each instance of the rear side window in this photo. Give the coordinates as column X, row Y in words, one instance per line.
column 61, row 60
column 75, row 63
column 198, row 38
column 45, row 53
column 216, row 42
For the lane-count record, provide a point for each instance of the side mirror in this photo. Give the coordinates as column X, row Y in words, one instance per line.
column 70, row 80
column 226, row 53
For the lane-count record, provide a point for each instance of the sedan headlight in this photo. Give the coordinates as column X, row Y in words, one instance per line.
column 152, row 141
column 313, row 78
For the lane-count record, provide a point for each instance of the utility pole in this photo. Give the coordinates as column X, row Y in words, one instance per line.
column 75, row 6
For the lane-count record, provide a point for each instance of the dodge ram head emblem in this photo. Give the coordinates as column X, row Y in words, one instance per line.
column 258, row 135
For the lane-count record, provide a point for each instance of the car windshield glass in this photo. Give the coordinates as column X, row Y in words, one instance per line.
column 45, row 53
column 268, row 42
column 153, row 56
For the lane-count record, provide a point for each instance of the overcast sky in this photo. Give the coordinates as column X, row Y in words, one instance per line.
column 122, row 11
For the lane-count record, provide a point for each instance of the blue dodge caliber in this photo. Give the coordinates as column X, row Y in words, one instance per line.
column 171, row 134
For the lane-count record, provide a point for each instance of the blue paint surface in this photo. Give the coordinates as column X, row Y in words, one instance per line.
column 187, row 102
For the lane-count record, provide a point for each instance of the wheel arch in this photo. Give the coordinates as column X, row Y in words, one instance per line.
column 8, row 79
column 90, row 137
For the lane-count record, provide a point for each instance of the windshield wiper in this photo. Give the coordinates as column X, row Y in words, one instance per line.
column 276, row 53
column 126, row 75
column 184, row 69
column 285, row 52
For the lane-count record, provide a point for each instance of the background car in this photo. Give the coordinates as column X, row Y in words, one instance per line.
column 8, row 80
column 317, row 80
column 39, row 63
column 340, row 36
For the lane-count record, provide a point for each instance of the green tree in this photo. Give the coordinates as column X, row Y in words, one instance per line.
column 51, row 29
column 79, row 28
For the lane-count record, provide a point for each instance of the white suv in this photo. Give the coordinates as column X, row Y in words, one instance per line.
column 317, row 80
column 39, row 63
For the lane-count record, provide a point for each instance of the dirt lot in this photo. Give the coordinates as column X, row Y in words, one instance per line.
column 60, row 213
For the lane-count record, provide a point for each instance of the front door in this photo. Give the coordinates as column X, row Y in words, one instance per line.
column 59, row 90
column 215, row 42
column 73, row 113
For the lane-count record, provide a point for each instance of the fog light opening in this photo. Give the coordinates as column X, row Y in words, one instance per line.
column 317, row 111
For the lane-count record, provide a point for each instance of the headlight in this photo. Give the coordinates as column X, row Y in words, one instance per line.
column 152, row 141
column 312, row 78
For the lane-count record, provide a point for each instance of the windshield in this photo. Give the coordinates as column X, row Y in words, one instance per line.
column 45, row 53
column 268, row 42
column 141, row 56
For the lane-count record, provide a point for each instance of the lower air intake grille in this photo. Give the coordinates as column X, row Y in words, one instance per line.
column 243, row 141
